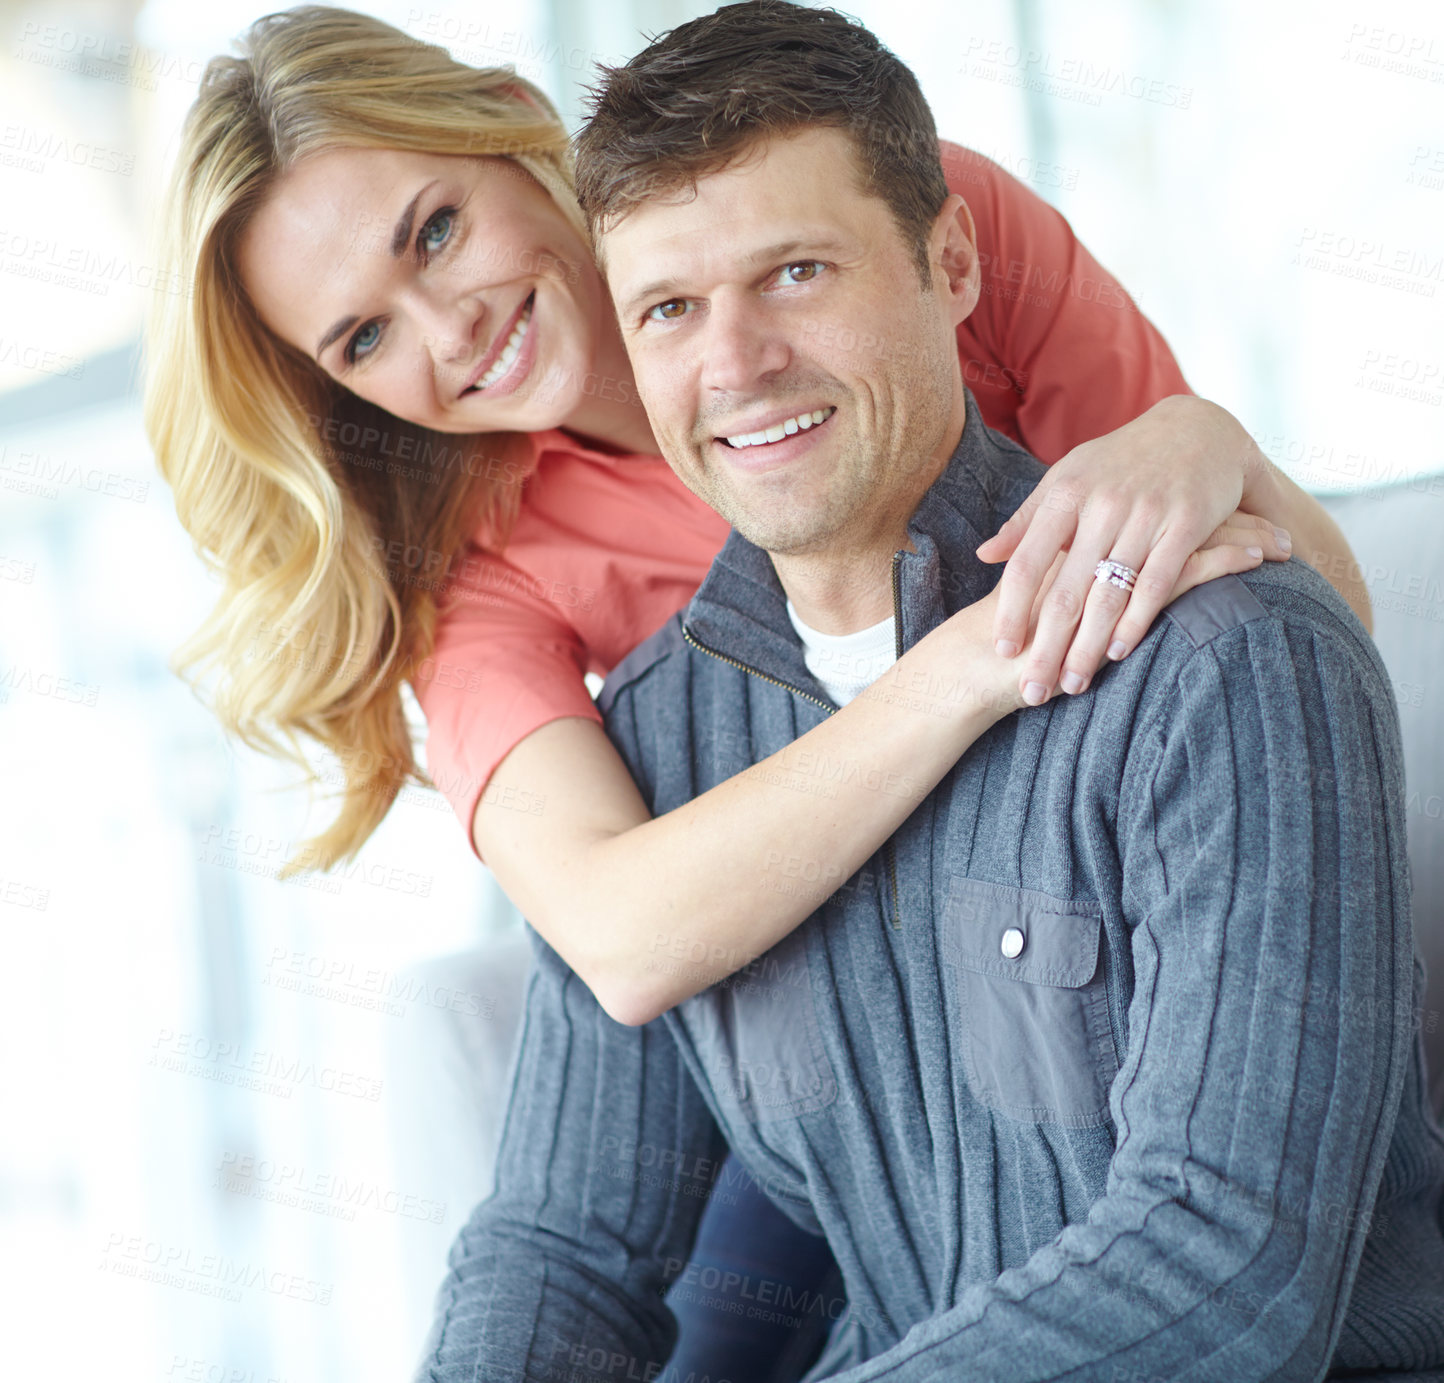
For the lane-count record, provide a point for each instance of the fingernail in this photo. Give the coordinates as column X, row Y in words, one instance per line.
column 1285, row 542
column 1117, row 649
column 1006, row 648
column 1035, row 693
column 1256, row 551
column 1072, row 683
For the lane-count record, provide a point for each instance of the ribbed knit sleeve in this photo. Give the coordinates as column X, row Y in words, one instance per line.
column 1261, row 841
column 606, row 1157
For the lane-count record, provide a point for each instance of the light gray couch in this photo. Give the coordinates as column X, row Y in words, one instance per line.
column 1397, row 535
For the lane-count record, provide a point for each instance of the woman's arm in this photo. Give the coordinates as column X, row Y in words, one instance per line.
column 1269, row 493
column 649, row 912
column 1081, row 374
column 1198, row 460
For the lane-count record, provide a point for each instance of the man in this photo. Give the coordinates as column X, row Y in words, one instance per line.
column 1107, row 1067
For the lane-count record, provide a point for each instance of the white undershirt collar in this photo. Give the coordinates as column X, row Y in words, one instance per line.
column 846, row 663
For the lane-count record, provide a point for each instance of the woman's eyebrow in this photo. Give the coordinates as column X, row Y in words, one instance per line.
column 401, row 235
column 337, row 329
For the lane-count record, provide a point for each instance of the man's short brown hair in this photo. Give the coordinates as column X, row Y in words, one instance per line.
column 699, row 97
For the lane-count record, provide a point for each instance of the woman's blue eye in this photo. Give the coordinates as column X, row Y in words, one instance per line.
column 364, row 341
column 436, row 232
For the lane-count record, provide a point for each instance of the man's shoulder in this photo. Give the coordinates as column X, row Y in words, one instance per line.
column 663, row 651
column 1237, row 617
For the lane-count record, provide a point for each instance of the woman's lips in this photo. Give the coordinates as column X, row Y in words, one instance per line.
column 505, row 365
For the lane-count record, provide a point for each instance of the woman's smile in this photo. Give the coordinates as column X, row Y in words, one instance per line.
column 505, row 365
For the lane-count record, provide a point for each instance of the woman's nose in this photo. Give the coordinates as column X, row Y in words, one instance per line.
column 450, row 326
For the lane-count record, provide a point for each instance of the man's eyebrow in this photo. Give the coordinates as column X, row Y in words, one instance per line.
column 400, row 239
column 660, row 289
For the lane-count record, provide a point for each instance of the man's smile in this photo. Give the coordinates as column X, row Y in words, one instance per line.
column 768, row 432
column 766, row 445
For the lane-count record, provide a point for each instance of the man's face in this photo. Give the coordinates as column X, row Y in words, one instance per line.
column 798, row 376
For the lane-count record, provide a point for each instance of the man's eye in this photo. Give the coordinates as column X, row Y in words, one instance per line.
column 436, row 232
column 363, row 342
column 668, row 311
column 800, row 271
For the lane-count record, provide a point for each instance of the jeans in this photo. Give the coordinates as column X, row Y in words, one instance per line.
column 756, row 1300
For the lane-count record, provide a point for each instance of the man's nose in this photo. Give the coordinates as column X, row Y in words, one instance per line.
column 743, row 345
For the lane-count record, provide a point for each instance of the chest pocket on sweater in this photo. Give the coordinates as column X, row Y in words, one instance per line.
column 1033, row 1001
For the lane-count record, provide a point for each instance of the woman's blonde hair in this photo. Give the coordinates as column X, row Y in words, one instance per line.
column 311, row 505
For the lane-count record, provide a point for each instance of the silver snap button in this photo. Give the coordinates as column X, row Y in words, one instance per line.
column 1012, row 944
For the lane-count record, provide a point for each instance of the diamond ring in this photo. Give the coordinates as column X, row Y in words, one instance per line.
column 1115, row 574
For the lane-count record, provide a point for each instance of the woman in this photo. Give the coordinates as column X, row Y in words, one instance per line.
column 375, row 233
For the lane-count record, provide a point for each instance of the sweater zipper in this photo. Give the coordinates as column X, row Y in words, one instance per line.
column 889, row 850
column 752, row 671
column 897, row 632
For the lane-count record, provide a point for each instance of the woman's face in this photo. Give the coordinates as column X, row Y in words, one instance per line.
column 449, row 291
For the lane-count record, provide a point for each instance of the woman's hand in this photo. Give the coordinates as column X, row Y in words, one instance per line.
column 1161, row 496
column 1234, row 546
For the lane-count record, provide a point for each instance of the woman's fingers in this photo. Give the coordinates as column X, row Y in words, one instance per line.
column 1049, row 593
column 1169, row 574
column 1112, row 615
column 1102, row 610
column 1002, row 544
column 1249, row 530
column 1036, row 535
column 1115, row 620
column 1064, row 601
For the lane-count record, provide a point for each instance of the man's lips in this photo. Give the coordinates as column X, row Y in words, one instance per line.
column 769, row 430
column 761, row 457
column 499, row 344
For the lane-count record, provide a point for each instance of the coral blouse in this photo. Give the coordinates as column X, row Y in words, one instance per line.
column 607, row 547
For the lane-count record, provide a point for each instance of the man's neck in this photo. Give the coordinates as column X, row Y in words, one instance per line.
column 840, row 593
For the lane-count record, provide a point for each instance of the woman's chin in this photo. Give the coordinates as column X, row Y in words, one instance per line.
column 551, row 397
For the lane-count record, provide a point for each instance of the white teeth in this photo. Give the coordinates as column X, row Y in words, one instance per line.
column 778, row 431
column 504, row 361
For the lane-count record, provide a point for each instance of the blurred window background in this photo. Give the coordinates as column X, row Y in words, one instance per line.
column 209, row 1167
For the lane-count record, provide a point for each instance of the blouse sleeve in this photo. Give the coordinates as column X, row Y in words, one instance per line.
column 505, row 663
column 1054, row 327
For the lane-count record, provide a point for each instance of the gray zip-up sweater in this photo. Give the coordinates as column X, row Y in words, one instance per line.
column 1106, row 1068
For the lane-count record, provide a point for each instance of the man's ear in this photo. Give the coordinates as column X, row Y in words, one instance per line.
column 953, row 250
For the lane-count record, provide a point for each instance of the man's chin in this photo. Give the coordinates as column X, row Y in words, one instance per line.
column 783, row 536
column 787, row 521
